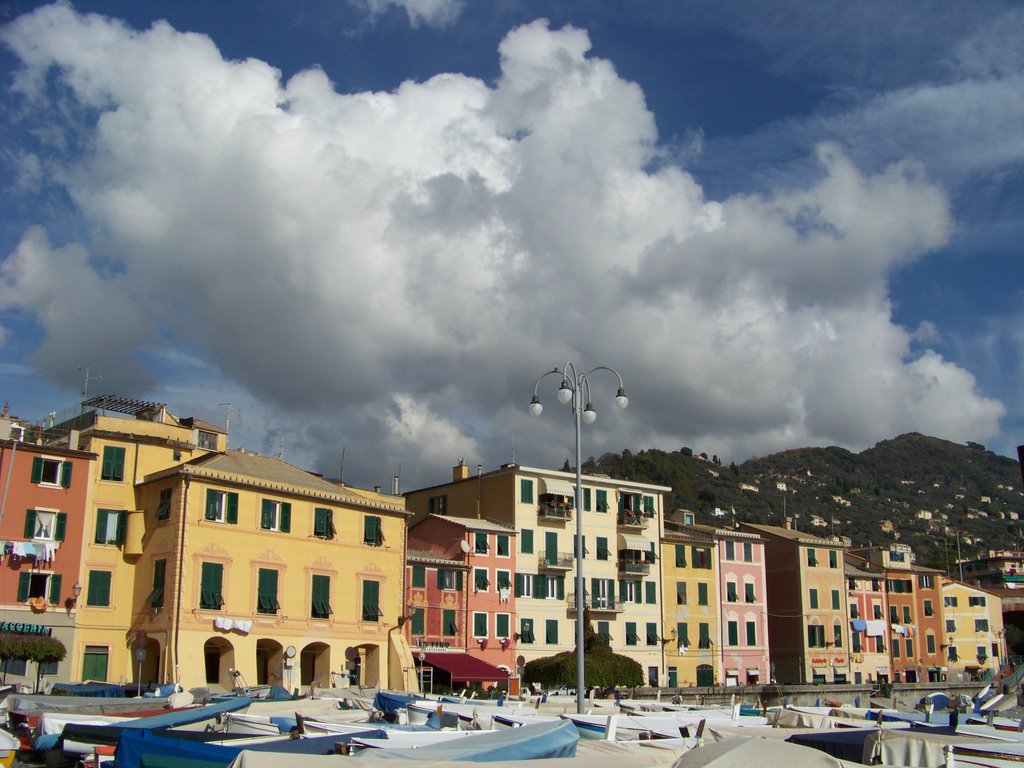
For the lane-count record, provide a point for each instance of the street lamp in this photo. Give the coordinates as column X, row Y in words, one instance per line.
column 575, row 389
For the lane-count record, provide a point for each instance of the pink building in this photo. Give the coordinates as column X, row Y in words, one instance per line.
column 460, row 598
column 743, row 617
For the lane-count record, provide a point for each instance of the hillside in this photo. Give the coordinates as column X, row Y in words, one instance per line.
column 915, row 489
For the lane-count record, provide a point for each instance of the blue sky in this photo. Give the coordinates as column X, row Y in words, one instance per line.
column 370, row 226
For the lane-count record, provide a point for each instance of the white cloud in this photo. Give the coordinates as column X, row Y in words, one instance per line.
column 432, row 13
column 391, row 271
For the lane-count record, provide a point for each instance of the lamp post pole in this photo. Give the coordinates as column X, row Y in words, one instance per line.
column 574, row 385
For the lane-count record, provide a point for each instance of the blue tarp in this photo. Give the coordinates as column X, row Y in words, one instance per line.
column 389, row 703
column 546, row 740
column 98, row 690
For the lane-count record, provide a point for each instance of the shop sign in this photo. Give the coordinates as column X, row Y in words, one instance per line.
column 21, row 628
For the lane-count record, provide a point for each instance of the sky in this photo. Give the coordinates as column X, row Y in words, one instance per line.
column 359, row 232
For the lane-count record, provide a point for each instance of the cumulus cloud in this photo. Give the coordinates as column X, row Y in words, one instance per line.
column 393, row 270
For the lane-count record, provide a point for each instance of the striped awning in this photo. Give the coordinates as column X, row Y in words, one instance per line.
column 632, row 541
column 557, row 487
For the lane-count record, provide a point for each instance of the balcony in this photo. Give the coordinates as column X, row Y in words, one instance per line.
column 597, row 604
column 633, row 567
column 632, row 521
column 555, row 561
column 555, row 512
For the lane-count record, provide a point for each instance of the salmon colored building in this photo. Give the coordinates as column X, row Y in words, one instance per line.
column 869, row 622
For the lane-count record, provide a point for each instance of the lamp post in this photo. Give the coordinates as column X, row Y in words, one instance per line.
column 575, row 389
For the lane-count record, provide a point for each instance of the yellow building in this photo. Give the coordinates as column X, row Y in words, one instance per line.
column 257, row 572
column 974, row 639
column 691, row 607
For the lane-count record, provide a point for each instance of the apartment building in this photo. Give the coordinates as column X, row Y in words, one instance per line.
column 691, row 607
column 869, row 623
column 974, row 639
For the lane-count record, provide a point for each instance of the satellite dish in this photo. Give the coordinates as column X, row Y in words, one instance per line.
column 423, row 656
column 351, row 654
column 464, row 545
column 290, row 651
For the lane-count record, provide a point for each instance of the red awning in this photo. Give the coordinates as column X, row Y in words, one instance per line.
column 465, row 668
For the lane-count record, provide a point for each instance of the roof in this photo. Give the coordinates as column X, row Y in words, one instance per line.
column 465, row 668
column 598, row 480
column 476, row 524
column 422, row 556
column 717, row 530
column 799, row 537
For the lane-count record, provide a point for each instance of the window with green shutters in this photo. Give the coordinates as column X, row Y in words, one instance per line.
column 702, row 593
column 211, row 585
column 112, row 466
column 418, row 621
column 814, row 598
column 480, row 580
column 448, row 626
column 835, row 599
column 731, row 594
column 503, row 580
column 649, row 506
column 526, row 541
column 682, row 634
column 603, row 553
column 479, row 624
column 680, row 555
column 586, row 499
column 730, row 550
column 525, row 491
column 156, row 595
column 751, row 633
column 323, row 523
column 501, row 545
column 276, row 516
column 480, row 543
column 373, row 533
column 371, row 600
column 55, row 472
column 266, row 591
column 221, row 506
column 94, row 663
column 650, row 592
column 163, row 509
column 652, row 633
column 632, row 638
column 501, row 625
column 449, row 579
column 98, row 591
column 321, row 593
column 551, row 631
column 837, row 635
column 704, row 635
column 44, row 525
column 36, row 584
column 833, row 559
column 748, row 552
column 604, row 632
column 602, row 500
column 812, row 558
column 419, row 576
column 748, row 593
column 110, row 525
column 732, row 633
column 526, row 631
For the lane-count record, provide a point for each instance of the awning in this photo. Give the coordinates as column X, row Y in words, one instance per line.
column 819, row 670
column 558, row 487
column 465, row 668
column 632, row 541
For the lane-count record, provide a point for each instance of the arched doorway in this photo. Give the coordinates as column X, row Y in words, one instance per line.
column 705, row 676
column 149, row 669
column 315, row 665
column 219, row 660
column 269, row 662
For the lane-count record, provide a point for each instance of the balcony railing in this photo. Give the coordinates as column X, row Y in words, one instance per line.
column 597, row 604
column 559, row 561
column 632, row 520
column 638, row 567
column 554, row 512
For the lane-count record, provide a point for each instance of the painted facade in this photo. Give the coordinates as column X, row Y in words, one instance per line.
column 869, row 622
column 974, row 637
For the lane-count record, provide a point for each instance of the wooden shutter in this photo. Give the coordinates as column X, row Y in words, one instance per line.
column 24, row 583
column 286, row 517
column 211, row 504
column 65, row 474
column 60, row 526
column 37, row 469
column 55, row 580
column 30, row 524
column 232, row 512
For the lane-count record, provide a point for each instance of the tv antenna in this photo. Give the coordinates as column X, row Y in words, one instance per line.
column 228, row 410
column 85, row 383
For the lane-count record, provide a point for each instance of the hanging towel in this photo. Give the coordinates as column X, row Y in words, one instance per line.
column 876, row 628
column 859, row 625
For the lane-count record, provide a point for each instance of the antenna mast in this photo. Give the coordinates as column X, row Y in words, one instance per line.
column 85, row 384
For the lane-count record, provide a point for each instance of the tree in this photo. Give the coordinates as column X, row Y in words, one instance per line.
column 41, row 649
column 686, row 451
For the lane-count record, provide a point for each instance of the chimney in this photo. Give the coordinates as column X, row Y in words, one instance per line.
column 460, row 471
column 394, row 485
column 789, row 522
column 73, row 439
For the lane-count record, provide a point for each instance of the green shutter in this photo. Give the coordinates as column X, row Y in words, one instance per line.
column 320, row 522
column 680, row 555
column 551, row 546
column 419, row 576
column 501, row 625
column 121, row 524
column 267, row 514
column 286, row 517
column 156, row 597
column 37, row 470
column 100, row 535
column 371, row 600
column 734, row 631
column 417, row 621
column 232, row 513
column 560, row 587
column 99, row 588
column 651, row 592
column 55, row 580
column 60, row 526
column 211, row 504
column 440, row 578
column 24, row 583
column 479, row 625
column 526, row 541
column 30, row 524
column 458, row 580
column 702, row 593
column 65, row 474
column 540, row 587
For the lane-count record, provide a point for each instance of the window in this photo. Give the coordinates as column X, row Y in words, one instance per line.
column 39, row 584
column 109, row 526
column 812, row 559
column 748, row 552
column 732, row 633
column 448, row 626
column 373, row 533
column 876, row 611
column 730, row 550
column 748, row 593
column 854, row 611
column 680, row 555
column 814, row 598
column 926, row 581
column 680, row 593
column 480, row 581
column 730, row 592
column 702, row 593
column 649, row 506
column 835, row 600
column 437, row 505
column 682, row 634
column 480, row 543
column 952, row 653
column 894, row 614
column 629, row 591
column 418, row 622
column 704, row 635
column 632, row 638
column 602, row 500
column 751, row 633
column 276, row 516
column 815, row 636
column 323, row 523
column 976, row 601
column 833, row 559
column 554, row 587
column 950, row 625
column 45, row 525
column 211, row 580
column 526, row 541
column 526, row 631
column 949, row 601
column 586, row 499
column 837, row 635
column 206, row 440
column 501, row 541
column 652, row 633
column 603, row 553
column 503, row 580
column 266, row 591
column 371, row 600
column 701, row 557
column 910, row 648
column 930, row 643
column 651, row 592
column 906, row 614
column 479, row 624
column 321, row 594
column 156, row 596
column 982, row 654
column 928, row 609
column 551, row 631
column 94, row 663
column 51, row 472
column 221, row 506
column 981, row 625
column 163, row 509
column 99, row 589
column 419, row 576
column 525, row 491
column 112, row 467
column 501, row 625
